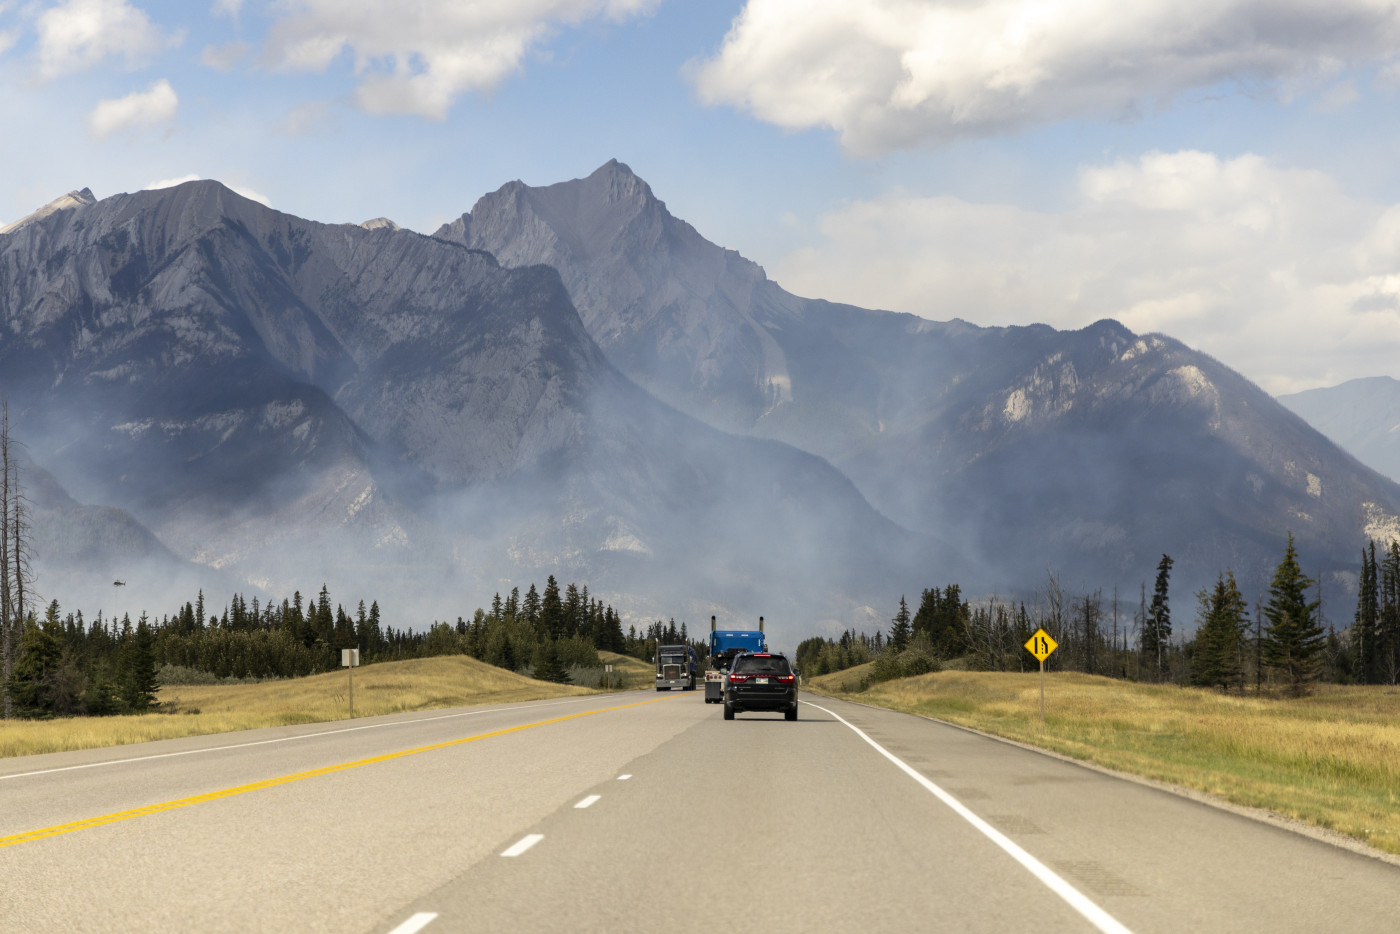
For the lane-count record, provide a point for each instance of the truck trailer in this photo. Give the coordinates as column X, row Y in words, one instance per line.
column 724, row 645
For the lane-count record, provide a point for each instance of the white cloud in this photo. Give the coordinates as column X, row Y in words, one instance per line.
column 1274, row 271
column 8, row 37
column 139, row 109
column 248, row 193
column 223, row 57
column 305, row 119
column 78, row 34
column 418, row 58
column 895, row 73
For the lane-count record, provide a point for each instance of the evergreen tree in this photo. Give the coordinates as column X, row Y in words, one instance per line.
column 138, row 669
column 1387, row 659
column 1365, row 627
column 1218, row 659
column 1157, row 625
column 547, row 664
column 1293, row 639
column 30, row 684
column 551, row 610
column 901, row 629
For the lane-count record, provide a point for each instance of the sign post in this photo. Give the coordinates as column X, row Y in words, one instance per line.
column 607, row 669
column 349, row 658
column 1041, row 646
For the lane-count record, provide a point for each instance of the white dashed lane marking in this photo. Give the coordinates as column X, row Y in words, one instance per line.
column 416, row 923
column 523, row 844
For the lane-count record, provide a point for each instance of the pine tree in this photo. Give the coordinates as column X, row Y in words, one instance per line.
column 29, row 682
column 1157, row 625
column 1293, row 639
column 1388, row 641
column 901, row 629
column 1365, row 628
column 551, row 610
column 138, row 669
column 547, row 664
column 1220, row 636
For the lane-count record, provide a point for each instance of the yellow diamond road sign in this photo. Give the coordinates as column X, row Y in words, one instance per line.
column 1041, row 645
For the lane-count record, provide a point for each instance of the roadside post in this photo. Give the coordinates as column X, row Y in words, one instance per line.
column 349, row 658
column 607, row 674
column 1041, row 646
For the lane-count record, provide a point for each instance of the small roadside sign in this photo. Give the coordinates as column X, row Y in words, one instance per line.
column 350, row 660
column 1041, row 645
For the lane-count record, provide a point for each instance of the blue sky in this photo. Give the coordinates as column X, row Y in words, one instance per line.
column 1224, row 172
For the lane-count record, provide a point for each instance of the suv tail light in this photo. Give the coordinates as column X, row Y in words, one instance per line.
column 785, row 679
column 737, row 679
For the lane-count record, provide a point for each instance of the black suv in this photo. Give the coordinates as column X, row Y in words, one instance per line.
column 760, row 681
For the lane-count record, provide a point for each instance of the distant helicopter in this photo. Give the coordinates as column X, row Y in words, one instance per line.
column 118, row 583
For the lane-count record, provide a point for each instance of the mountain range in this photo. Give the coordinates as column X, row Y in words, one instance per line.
column 1087, row 453
column 290, row 403
column 1361, row 415
column 570, row 380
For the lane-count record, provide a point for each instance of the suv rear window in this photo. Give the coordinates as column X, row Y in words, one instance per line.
column 773, row 665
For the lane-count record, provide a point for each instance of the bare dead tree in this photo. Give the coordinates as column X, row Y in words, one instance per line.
column 1053, row 615
column 7, row 648
column 15, row 582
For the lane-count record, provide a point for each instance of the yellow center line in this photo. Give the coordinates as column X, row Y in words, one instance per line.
column 58, row 829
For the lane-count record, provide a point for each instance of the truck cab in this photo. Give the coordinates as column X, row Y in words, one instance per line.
column 676, row 668
column 725, row 645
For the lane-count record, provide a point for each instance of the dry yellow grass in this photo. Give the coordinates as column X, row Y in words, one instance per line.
column 1331, row 759
column 634, row 672
column 389, row 687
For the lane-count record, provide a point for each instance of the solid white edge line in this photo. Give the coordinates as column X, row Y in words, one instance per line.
column 288, row 739
column 1072, row 896
column 588, row 802
column 416, row 923
column 523, row 844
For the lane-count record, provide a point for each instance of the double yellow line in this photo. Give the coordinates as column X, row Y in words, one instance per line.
column 59, row 829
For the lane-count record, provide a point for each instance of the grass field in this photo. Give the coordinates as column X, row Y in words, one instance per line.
column 388, row 687
column 1331, row 759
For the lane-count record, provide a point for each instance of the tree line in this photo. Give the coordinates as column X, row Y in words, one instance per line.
column 69, row 666
column 1283, row 644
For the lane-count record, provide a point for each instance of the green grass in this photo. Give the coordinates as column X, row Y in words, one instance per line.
column 384, row 688
column 1331, row 759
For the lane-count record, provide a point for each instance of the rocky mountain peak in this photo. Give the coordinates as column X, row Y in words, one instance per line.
column 74, row 199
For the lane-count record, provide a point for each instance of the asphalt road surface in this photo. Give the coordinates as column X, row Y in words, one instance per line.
column 642, row 812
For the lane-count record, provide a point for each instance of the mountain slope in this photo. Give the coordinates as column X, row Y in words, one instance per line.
column 1086, row 453
column 1360, row 415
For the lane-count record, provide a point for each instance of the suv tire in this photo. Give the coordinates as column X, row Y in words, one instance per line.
column 790, row 713
column 728, row 712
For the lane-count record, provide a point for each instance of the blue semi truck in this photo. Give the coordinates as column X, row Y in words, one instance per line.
column 724, row 645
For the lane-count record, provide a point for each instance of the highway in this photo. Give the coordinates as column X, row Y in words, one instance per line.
column 642, row 812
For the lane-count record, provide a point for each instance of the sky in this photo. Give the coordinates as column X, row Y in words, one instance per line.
column 1221, row 171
